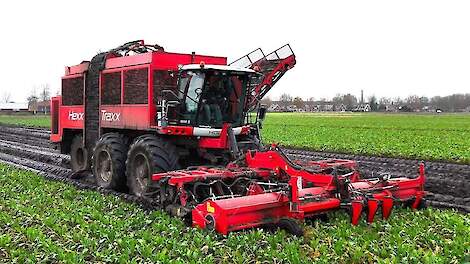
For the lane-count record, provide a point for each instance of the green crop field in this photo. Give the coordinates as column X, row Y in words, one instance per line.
column 48, row 221
column 26, row 120
column 422, row 136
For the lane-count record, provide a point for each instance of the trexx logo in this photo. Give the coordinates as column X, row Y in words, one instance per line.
column 110, row 116
column 75, row 116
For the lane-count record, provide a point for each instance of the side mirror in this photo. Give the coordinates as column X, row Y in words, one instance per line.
column 262, row 112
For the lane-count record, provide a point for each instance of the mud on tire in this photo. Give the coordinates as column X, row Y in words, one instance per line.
column 147, row 155
column 109, row 161
column 78, row 155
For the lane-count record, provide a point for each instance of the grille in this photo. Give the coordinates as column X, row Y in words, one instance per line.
column 111, row 89
column 72, row 91
column 136, row 86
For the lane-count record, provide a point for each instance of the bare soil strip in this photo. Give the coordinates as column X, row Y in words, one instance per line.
column 448, row 184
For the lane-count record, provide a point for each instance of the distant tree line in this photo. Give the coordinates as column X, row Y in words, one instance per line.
column 349, row 102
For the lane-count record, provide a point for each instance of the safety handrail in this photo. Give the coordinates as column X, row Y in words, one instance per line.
column 250, row 58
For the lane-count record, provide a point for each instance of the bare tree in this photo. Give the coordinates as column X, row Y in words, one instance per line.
column 348, row 100
column 397, row 101
column 285, row 100
column 6, row 97
column 33, row 101
column 266, row 101
column 299, row 103
column 45, row 94
column 337, row 99
column 384, row 102
column 414, row 102
column 374, row 106
column 451, row 103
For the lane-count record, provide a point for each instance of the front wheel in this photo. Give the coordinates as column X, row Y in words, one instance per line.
column 108, row 162
column 147, row 155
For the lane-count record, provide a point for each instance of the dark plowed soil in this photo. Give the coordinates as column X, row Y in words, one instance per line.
column 448, row 184
column 26, row 131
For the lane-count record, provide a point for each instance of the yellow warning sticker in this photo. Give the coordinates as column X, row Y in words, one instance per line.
column 210, row 208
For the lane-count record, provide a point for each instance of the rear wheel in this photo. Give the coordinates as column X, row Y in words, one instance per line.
column 78, row 155
column 147, row 155
column 109, row 161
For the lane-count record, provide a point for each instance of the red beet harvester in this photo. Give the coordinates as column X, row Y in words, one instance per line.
column 183, row 130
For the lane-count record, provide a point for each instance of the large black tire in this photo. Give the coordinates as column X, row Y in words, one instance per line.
column 79, row 160
column 292, row 226
column 109, row 161
column 147, row 155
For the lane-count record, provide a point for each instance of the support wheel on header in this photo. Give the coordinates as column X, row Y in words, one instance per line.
column 292, row 226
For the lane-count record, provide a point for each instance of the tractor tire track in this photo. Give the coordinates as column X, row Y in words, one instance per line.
column 448, row 184
column 30, row 140
column 52, row 158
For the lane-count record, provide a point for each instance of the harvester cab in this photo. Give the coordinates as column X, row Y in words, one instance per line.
column 208, row 96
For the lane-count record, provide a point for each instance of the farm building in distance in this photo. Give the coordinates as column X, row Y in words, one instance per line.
column 315, row 106
column 31, row 107
column 13, row 107
column 349, row 103
column 40, row 107
column 44, row 107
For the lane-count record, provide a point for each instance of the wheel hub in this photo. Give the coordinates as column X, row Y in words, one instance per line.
column 105, row 166
column 142, row 171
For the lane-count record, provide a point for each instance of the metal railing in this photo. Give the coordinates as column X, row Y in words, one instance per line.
column 281, row 53
column 250, row 58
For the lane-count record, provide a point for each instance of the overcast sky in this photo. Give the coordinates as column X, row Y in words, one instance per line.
column 387, row 48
